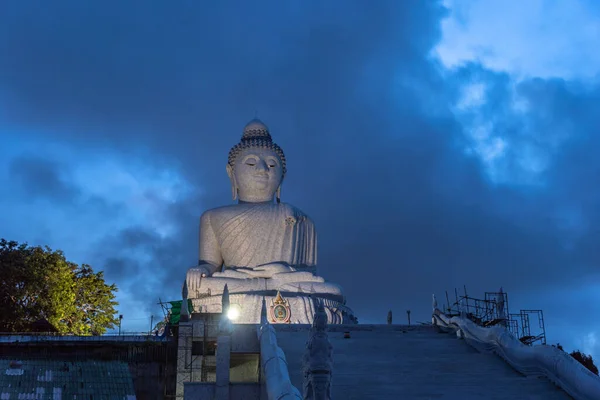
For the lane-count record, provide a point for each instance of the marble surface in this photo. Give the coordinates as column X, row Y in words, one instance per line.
column 259, row 245
column 278, row 385
column 317, row 360
column 400, row 362
column 302, row 308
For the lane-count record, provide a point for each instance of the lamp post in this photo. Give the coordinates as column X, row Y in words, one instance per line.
column 408, row 314
column 120, row 319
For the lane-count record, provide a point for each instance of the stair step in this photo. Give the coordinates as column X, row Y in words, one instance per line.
column 422, row 364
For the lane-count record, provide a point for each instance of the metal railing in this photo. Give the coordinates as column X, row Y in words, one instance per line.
column 13, row 337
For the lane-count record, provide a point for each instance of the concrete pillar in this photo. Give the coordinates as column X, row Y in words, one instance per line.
column 183, row 355
column 223, row 367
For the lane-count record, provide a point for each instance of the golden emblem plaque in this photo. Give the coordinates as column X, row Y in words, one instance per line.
column 279, row 311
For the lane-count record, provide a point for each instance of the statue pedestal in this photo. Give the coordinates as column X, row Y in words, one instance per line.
column 286, row 308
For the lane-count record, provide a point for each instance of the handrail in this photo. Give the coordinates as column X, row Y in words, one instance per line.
column 273, row 362
column 124, row 333
column 129, row 337
column 541, row 360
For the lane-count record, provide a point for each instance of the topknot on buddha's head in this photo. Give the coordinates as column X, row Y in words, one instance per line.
column 256, row 135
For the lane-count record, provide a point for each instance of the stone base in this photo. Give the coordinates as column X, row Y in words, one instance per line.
column 301, row 308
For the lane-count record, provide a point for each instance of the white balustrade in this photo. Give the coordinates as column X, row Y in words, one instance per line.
column 541, row 360
column 274, row 364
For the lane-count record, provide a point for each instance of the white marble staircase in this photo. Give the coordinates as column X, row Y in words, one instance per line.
column 399, row 362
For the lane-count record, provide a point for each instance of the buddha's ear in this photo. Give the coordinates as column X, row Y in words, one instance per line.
column 234, row 189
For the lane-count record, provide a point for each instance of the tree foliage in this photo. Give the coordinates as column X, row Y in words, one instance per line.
column 39, row 283
column 585, row 360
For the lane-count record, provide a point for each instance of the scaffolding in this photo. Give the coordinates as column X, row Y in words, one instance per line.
column 523, row 329
column 493, row 310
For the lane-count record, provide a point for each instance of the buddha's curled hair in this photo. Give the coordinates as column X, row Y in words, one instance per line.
column 256, row 135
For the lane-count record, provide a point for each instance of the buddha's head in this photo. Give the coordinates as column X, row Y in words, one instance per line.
column 256, row 165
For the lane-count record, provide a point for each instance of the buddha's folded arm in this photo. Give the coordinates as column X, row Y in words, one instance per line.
column 239, row 282
column 215, row 285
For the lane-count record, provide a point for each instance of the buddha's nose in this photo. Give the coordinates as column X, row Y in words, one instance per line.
column 262, row 166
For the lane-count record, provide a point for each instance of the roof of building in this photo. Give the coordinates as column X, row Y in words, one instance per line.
column 43, row 379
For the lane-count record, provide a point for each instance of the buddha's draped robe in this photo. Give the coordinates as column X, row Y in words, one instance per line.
column 250, row 235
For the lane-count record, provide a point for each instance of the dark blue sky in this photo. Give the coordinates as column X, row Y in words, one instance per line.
column 433, row 146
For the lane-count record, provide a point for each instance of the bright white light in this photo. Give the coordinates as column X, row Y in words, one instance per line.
column 234, row 312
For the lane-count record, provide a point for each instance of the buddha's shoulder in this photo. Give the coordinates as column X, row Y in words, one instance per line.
column 295, row 215
column 221, row 212
column 293, row 211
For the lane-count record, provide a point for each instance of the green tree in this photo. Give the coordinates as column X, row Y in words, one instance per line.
column 586, row 360
column 39, row 283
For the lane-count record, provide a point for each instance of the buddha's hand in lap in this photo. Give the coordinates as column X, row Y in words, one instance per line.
column 300, row 276
column 269, row 270
column 194, row 278
column 262, row 271
column 231, row 273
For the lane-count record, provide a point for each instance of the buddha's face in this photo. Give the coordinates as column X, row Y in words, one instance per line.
column 257, row 173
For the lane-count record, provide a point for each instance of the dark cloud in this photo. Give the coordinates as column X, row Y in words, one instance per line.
column 376, row 155
column 147, row 265
column 169, row 76
column 41, row 178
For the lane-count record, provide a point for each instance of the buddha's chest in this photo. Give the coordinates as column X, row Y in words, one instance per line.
column 259, row 221
column 255, row 236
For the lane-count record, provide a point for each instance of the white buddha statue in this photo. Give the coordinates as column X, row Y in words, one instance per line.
column 258, row 246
